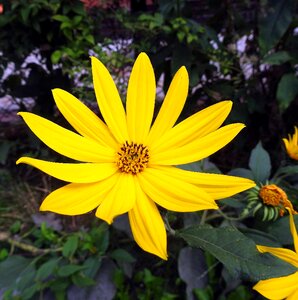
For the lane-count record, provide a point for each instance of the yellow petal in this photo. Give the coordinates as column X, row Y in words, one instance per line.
column 147, row 225
column 67, row 142
column 293, row 231
column 285, row 254
column 82, row 119
column 197, row 149
column 218, row 186
column 293, row 296
column 172, row 193
column 119, row 200
column 286, row 143
column 79, row 172
column 278, row 288
column 194, row 127
column 77, row 198
column 109, row 101
column 171, row 106
column 140, row 99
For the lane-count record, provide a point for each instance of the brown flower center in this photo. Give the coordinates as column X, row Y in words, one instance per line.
column 132, row 158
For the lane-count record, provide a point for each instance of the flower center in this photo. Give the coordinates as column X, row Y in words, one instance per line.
column 275, row 196
column 272, row 195
column 132, row 158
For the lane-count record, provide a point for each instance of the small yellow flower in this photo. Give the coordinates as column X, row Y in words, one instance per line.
column 285, row 287
column 292, row 145
column 127, row 165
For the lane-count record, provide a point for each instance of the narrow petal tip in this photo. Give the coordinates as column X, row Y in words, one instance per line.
column 163, row 256
column 42, row 207
column 143, row 55
column 183, row 73
column 103, row 217
column 22, row 160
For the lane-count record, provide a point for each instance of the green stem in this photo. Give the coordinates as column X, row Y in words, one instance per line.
column 4, row 236
column 168, row 226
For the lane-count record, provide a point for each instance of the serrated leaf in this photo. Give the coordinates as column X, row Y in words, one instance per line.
column 287, row 90
column 260, row 164
column 237, row 252
column 70, row 247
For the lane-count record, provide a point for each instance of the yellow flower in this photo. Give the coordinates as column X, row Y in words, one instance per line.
column 286, row 286
column 292, row 145
column 127, row 165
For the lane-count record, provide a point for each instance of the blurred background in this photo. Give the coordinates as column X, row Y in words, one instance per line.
column 245, row 51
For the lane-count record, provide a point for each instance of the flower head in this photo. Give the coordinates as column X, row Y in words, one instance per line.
column 292, row 145
column 127, row 165
column 268, row 201
column 273, row 195
column 286, row 286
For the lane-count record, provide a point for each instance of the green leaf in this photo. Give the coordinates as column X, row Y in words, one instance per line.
column 280, row 229
column 29, row 292
column 260, row 164
column 67, row 270
column 92, row 265
column 55, row 57
column 277, row 58
column 121, row 255
column 237, row 252
column 286, row 171
column 89, row 38
column 70, row 247
column 204, row 294
column 287, row 90
column 61, row 18
column 274, row 25
column 81, row 280
column 5, row 147
column 242, row 172
column 25, row 14
column 26, row 278
column 46, row 269
column 260, row 237
column 12, row 267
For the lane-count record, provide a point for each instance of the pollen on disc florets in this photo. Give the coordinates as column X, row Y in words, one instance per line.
column 272, row 195
column 132, row 158
column 275, row 196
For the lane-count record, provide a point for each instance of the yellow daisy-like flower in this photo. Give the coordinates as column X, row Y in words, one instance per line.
column 127, row 165
column 285, row 287
column 292, row 145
